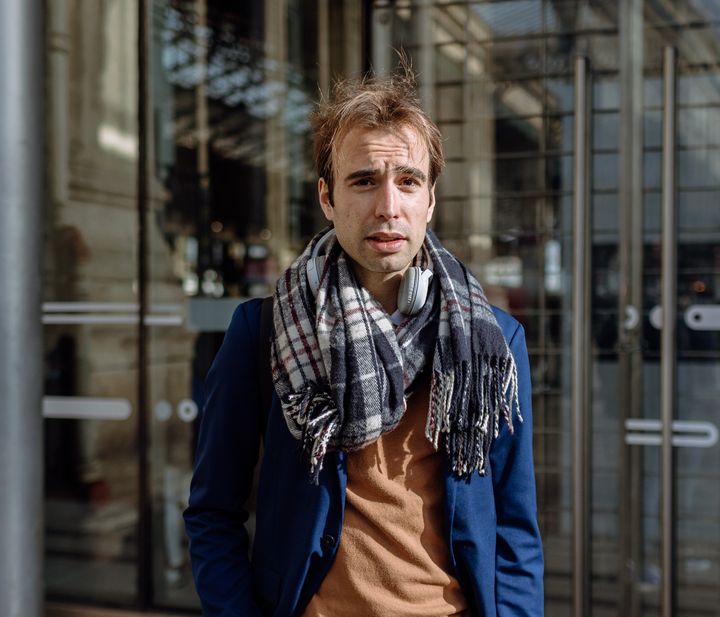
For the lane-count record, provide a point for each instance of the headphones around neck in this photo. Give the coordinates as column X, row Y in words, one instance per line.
column 413, row 288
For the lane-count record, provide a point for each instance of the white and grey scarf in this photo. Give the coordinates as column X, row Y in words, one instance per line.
column 343, row 371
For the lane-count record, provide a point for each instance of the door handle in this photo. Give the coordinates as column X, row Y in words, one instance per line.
column 703, row 317
column 668, row 343
column 696, row 317
column 685, row 433
column 580, row 345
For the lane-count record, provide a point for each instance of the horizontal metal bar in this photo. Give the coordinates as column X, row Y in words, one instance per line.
column 639, row 424
column 643, row 432
column 106, row 307
column 86, row 408
column 696, row 317
column 150, row 320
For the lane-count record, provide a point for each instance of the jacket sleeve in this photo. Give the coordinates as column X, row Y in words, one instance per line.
column 519, row 555
column 226, row 455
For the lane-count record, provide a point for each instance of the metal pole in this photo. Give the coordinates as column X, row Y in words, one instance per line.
column 580, row 348
column 630, row 299
column 424, row 53
column 22, row 170
column 277, row 139
column 145, row 585
column 668, row 344
column 323, row 46
column 382, row 31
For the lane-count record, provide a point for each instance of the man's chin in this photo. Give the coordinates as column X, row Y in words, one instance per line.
column 388, row 265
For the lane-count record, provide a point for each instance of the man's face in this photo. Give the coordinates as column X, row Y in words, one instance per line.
column 381, row 202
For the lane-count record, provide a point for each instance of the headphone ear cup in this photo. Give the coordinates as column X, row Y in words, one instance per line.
column 314, row 270
column 316, row 263
column 413, row 290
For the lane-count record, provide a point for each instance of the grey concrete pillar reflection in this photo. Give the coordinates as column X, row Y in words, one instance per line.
column 21, row 192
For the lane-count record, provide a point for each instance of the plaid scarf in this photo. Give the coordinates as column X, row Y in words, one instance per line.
column 343, row 371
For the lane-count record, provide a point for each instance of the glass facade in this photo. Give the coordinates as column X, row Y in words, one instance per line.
column 90, row 302
column 499, row 78
column 232, row 204
column 232, row 200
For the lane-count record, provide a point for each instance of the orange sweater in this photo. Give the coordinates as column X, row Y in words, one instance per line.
column 393, row 558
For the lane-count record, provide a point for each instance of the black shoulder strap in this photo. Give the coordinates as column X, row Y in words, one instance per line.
column 263, row 358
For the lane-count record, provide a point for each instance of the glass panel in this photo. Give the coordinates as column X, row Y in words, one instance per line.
column 697, row 508
column 508, row 212
column 605, row 131
column 234, row 202
column 511, row 19
column 697, row 475
column 90, row 303
column 559, row 134
column 698, row 127
column 559, row 95
column 605, row 172
column 505, row 105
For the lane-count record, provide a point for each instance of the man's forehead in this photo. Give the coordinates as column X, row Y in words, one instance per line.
column 402, row 141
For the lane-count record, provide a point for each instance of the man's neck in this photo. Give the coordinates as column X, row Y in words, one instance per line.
column 384, row 288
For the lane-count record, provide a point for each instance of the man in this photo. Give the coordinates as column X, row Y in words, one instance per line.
column 392, row 482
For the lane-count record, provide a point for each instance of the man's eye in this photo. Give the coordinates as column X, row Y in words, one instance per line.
column 410, row 181
column 362, row 182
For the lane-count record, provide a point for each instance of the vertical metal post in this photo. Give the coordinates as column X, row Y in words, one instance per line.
column 581, row 348
column 323, row 46
column 630, row 299
column 424, row 53
column 144, row 552
column 668, row 343
column 368, row 37
column 22, row 172
column 201, row 41
column 382, row 39
column 277, row 188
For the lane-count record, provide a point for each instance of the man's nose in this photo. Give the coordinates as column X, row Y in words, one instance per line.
column 386, row 205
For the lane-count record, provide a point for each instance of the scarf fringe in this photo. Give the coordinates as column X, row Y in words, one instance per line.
column 314, row 411
column 467, row 427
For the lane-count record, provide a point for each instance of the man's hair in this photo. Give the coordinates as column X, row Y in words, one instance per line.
column 371, row 102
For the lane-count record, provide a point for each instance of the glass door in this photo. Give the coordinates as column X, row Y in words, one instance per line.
column 676, row 554
column 662, row 259
column 90, row 304
column 501, row 79
column 233, row 203
column 645, row 506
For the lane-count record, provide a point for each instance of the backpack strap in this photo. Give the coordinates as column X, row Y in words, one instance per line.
column 263, row 359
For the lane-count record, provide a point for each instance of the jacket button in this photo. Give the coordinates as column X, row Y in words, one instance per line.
column 327, row 542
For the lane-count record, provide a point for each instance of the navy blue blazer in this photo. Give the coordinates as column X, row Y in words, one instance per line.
column 491, row 524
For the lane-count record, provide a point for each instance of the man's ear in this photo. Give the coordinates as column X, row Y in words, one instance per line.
column 431, row 206
column 324, row 198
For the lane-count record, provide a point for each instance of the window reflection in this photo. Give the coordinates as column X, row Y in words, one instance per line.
column 234, row 201
column 502, row 86
column 90, row 303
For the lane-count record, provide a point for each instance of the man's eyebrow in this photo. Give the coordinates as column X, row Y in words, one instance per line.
column 399, row 169
column 361, row 173
column 410, row 171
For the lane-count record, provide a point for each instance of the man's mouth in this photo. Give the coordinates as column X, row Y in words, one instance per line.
column 386, row 242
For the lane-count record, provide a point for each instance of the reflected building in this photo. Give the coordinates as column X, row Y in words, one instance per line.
column 166, row 211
